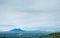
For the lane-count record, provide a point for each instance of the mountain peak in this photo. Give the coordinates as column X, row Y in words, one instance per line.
column 16, row 30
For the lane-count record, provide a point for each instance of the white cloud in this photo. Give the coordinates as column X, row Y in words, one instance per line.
column 32, row 14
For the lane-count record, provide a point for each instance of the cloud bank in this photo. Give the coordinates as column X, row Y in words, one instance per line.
column 30, row 14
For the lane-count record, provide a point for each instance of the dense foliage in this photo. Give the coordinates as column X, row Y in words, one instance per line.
column 53, row 35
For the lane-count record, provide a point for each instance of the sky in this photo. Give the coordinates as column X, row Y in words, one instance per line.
column 30, row 15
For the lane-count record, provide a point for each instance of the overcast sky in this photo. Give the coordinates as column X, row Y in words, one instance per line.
column 30, row 15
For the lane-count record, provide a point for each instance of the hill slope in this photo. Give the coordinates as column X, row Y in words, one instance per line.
column 53, row 35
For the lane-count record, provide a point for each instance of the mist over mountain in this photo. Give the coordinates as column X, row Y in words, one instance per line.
column 19, row 32
column 16, row 30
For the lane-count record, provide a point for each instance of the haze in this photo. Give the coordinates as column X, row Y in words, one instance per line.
column 30, row 15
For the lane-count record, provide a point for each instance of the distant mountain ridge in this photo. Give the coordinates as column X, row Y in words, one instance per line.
column 16, row 30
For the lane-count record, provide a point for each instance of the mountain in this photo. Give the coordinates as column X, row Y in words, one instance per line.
column 19, row 32
column 13, row 32
column 16, row 30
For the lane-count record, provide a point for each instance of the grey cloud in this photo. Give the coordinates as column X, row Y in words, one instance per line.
column 3, row 25
column 30, row 6
column 30, row 13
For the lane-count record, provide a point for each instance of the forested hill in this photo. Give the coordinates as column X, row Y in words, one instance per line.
column 52, row 35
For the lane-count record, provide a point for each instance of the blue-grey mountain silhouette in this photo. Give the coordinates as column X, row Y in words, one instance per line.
column 16, row 30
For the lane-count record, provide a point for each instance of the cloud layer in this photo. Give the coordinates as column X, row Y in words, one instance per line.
column 30, row 14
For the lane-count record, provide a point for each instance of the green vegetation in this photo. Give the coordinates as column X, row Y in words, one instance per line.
column 52, row 35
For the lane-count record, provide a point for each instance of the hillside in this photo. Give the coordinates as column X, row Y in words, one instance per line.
column 19, row 33
column 52, row 35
